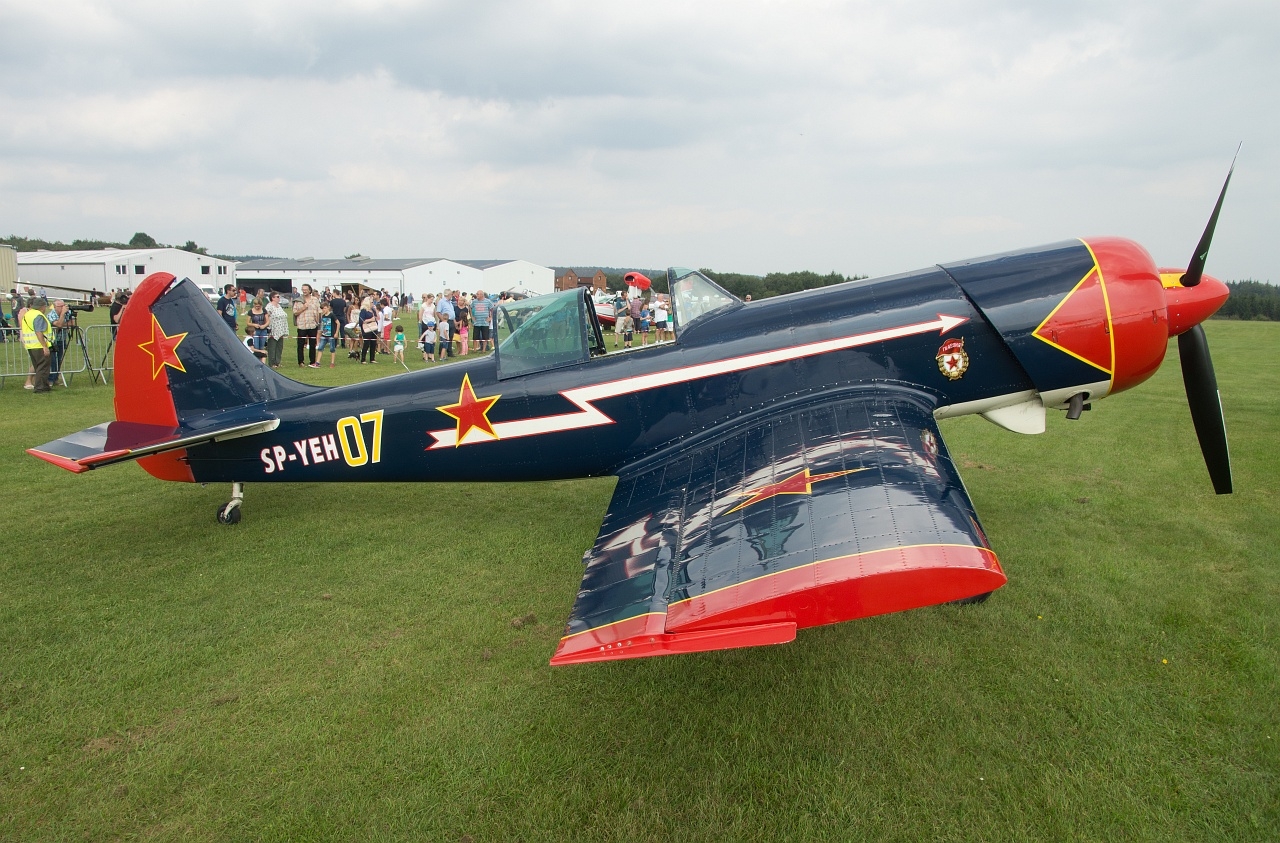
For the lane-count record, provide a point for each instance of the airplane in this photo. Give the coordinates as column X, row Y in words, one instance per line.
column 779, row 465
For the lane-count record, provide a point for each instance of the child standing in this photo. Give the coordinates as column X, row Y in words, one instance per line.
column 462, row 335
column 442, row 344
column 428, row 342
column 644, row 324
column 397, row 350
column 329, row 329
column 627, row 327
column 251, row 344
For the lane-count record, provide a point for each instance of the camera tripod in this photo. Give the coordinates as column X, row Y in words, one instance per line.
column 72, row 336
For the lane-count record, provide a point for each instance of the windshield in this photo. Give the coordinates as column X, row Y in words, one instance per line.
column 694, row 294
column 541, row 333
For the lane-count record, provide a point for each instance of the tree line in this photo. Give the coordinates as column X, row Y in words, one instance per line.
column 742, row 285
column 140, row 240
column 1251, row 300
column 775, row 283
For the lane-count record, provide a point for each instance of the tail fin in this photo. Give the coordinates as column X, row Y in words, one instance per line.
column 178, row 364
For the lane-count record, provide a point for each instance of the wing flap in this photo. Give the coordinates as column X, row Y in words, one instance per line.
column 120, row 441
column 836, row 511
column 643, row 636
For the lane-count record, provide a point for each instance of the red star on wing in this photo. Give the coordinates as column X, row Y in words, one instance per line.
column 800, row 483
column 471, row 412
column 163, row 349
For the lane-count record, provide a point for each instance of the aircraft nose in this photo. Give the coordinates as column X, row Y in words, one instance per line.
column 1189, row 306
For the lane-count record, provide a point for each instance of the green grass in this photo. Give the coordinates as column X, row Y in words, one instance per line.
column 344, row 663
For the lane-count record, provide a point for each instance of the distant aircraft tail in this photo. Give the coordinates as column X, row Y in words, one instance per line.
column 182, row 378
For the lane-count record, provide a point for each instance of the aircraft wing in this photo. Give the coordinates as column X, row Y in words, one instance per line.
column 119, row 441
column 814, row 515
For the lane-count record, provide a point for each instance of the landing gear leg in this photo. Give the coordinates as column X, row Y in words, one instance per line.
column 971, row 601
column 229, row 512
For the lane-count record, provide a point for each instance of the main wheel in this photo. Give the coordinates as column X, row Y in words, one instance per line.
column 971, row 601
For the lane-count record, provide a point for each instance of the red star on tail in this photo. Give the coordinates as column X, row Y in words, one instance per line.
column 800, row 483
column 163, row 349
column 471, row 412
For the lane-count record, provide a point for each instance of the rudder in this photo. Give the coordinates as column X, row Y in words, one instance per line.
column 178, row 364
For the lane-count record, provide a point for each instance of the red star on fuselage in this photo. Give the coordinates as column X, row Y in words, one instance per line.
column 471, row 412
column 800, row 483
column 163, row 349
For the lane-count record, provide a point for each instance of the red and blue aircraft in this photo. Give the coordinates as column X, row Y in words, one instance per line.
column 779, row 465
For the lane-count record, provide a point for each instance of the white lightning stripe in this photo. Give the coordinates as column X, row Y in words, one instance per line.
column 583, row 396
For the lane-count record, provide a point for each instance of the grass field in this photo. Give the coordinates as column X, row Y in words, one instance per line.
column 370, row 662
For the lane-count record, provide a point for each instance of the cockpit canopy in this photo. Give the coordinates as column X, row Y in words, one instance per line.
column 694, row 295
column 562, row 329
column 547, row 332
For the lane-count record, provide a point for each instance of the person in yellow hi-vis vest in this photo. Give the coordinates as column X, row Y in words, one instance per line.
column 35, row 337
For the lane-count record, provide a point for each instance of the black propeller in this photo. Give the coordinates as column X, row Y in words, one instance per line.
column 1206, row 406
column 1195, row 269
column 1197, row 369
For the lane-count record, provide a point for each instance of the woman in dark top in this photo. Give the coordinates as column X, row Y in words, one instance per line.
column 258, row 319
column 367, row 321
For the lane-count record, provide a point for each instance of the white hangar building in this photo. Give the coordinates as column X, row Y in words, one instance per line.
column 74, row 274
column 418, row 276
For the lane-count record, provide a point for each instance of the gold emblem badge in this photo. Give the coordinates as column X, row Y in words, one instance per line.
column 953, row 361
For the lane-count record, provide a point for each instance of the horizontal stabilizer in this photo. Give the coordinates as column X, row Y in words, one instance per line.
column 119, row 441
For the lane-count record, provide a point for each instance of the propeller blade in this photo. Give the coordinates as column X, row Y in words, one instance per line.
column 1206, row 406
column 1195, row 269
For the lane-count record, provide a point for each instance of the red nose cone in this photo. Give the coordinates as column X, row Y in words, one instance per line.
column 1189, row 306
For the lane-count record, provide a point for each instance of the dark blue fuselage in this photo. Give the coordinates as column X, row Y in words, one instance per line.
column 666, row 410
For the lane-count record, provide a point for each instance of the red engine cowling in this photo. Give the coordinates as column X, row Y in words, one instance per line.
column 1135, row 309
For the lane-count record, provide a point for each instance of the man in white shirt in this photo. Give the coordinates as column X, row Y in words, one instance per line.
column 660, row 319
column 388, row 316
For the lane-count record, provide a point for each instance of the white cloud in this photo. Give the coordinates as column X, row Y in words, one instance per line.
column 752, row 136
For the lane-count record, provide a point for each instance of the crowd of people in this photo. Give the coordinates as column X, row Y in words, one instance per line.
column 363, row 327
column 639, row 316
column 44, row 332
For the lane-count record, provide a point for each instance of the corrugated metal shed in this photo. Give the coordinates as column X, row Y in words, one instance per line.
column 349, row 264
column 343, row 264
column 8, row 268
column 88, row 256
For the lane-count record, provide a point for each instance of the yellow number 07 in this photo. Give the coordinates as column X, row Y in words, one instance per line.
column 350, row 434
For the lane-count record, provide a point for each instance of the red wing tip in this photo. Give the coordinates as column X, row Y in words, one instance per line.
column 60, row 462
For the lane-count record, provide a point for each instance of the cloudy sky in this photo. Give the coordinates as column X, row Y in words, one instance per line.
column 861, row 137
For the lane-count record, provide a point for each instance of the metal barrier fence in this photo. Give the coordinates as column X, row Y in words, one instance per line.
column 12, row 355
column 88, row 351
